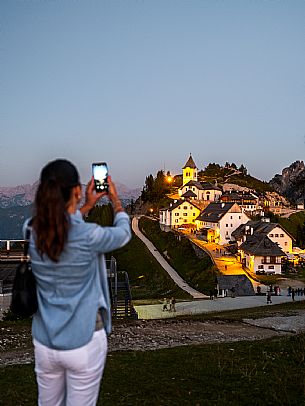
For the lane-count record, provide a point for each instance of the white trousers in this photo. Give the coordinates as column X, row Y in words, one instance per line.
column 71, row 377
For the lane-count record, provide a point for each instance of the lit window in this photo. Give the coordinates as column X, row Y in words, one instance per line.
column 176, row 221
column 185, row 214
column 271, row 267
column 176, row 214
column 282, row 235
column 276, row 236
column 286, row 243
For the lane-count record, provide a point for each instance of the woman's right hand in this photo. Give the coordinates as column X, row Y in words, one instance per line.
column 91, row 197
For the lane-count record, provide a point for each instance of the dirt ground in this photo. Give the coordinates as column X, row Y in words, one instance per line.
column 16, row 346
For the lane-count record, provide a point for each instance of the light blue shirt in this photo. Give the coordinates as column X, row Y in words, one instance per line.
column 71, row 291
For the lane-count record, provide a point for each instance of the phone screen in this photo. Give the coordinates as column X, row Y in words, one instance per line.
column 100, row 174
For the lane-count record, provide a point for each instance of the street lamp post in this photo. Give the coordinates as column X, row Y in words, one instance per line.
column 169, row 181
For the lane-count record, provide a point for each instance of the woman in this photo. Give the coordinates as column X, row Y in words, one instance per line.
column 73, row 317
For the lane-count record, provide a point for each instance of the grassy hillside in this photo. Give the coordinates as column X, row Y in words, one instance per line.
column 198, row 273
column 147, row 278
column 263, row 372
column 295, row 226
column 215, row 172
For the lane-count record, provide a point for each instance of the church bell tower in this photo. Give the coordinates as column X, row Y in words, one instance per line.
column 189, row 171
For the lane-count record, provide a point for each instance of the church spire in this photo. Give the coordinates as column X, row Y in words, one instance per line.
column 190, row 163
column 189, row 171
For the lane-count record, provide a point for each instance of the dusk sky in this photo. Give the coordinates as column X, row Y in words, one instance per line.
column 141, row 84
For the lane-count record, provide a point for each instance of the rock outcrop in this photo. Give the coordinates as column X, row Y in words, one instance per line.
column 291, row 183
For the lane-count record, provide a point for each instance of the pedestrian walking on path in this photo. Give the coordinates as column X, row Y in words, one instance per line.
column 269, row 301
column 165, row 303
column 172, row 305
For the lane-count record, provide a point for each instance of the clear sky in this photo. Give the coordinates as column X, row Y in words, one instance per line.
column 142, row 83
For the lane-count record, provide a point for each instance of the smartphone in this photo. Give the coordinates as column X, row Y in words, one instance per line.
column 100, row 174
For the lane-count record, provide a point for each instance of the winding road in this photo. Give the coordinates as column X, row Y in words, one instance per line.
column 165, row 265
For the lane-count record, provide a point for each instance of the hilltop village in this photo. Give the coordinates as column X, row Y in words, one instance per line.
column 232, row 216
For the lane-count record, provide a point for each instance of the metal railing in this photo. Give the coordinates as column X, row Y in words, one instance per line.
column 11, row 250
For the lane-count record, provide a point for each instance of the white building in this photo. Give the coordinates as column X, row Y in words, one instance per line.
column 247, row 201
column 261, row 255
column 200, row 190
column 203, row 190
column 274, row 231
column 219, row 220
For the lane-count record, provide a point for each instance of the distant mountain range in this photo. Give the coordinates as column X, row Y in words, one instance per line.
column 16, row 205
column 291, row 183
column 23, row 195
column 16, row 202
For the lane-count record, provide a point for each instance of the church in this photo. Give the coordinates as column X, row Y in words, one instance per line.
column 193, row 197
column 192, row 189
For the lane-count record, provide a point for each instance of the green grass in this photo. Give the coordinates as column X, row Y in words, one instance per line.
column 265, row 372
column 147, row 278
column 292, row 223
column 267, row 279
column 200, row 273
column 299, row 276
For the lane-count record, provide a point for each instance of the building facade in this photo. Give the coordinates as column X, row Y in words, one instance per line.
column 274, row 231
column 218, row 221
column 180, row 213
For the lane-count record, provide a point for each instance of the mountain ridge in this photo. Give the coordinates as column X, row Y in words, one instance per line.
column 24, row 195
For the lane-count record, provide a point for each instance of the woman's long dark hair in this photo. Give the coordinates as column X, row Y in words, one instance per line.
column 51, row 220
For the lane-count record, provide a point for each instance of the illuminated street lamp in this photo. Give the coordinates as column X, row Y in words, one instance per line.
column 169, row 180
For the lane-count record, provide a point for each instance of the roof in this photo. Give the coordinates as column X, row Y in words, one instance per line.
column 193, row 183
column 202, row 185
column 190, row 163
column 241, row 284
column 259, row 226
column 215, row 211
column 261, row 245
column 177, row 204
column 189, row 193
column 238, row 196
column 209, row 186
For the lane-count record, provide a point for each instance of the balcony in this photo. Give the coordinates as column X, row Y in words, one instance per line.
column 271, row 261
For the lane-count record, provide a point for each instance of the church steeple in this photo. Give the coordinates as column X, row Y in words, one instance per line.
column 189, row 171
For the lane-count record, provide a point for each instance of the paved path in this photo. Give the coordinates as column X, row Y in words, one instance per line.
column 226, row 263
column 206, row 306
column 165, row 265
